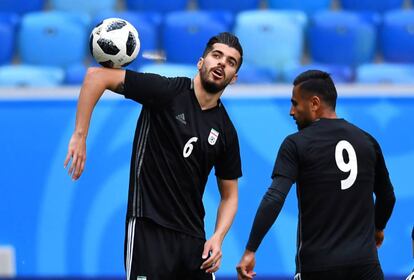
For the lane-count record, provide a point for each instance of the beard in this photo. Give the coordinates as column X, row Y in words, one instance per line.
column 211, row 86
column 303, row 124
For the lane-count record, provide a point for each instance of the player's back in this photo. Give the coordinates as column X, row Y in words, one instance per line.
column 335, row 192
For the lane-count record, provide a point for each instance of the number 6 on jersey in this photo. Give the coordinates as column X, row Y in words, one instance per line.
column 351, row 166
column 188, row 147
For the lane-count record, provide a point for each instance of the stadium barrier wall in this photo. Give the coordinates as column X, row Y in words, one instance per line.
column 62, row 228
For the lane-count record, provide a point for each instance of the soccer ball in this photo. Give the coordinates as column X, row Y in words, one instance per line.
column 114, row 43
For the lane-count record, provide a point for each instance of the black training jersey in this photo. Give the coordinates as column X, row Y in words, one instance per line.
column 176, row 145
column 337, row 168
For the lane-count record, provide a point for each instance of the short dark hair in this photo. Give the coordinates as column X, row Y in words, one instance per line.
column 228, row 39
column 319, row 83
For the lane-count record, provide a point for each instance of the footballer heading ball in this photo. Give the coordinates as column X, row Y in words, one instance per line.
column 114, row 43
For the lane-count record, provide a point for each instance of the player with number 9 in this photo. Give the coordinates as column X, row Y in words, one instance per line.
column 337, row 167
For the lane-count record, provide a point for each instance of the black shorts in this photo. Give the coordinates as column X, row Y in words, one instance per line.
column 359, row 272
column 153, row 252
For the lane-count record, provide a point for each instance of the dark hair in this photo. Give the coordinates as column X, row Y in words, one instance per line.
column 227, row 39
column 319, row 83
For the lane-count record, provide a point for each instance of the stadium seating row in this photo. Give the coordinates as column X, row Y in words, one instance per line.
column 44, row 76
column 273, row 40
column 94, row 6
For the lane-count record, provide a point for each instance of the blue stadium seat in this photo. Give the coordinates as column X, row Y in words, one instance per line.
column 53, row 38
column 156, row 6
column 385, row 73
column 371, row 5
column 235, row 7
column 186, row 33
column 271, row 39
column 249, row 74
column 8, row 28
column 10, row 18
column 148, row 25
column 25, row 75
column 397, row 36
column 21, row 6
column 74, row 74
column 90, row 7
column 309, row 7
column 339, row 73
column 7, row 36
column 371, row 17
column 170, row 69
column 342, row 37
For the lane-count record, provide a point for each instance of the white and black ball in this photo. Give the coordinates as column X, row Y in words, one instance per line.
column 114, row 43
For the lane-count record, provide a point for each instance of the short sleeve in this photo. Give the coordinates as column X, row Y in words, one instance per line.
column 287, row 160
column 228, row 166
column 152, row 89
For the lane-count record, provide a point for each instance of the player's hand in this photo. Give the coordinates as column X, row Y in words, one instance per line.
column 246, row 266
column 379, row 237
column 76, row 153
column 212, row 255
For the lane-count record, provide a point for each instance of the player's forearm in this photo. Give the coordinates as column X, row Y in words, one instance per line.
column 266, row 215
column 384, row 206
column 225, row 215
column 268, row 210
column 92, row 89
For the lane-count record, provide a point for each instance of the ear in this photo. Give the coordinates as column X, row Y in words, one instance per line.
column 200, row 63
column 315, row 103
column 234, row 79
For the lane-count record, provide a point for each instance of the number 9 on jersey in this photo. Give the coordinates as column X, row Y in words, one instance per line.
column 351, row 166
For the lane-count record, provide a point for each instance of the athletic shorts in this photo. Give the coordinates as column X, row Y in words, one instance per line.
column 359, row 272
column 153, row 252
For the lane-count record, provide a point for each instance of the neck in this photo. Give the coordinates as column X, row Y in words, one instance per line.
column 327, row 115
column 205, row 99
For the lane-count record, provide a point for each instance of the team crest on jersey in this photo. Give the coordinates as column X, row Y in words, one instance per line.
column 142, row 278
column 212, row 137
